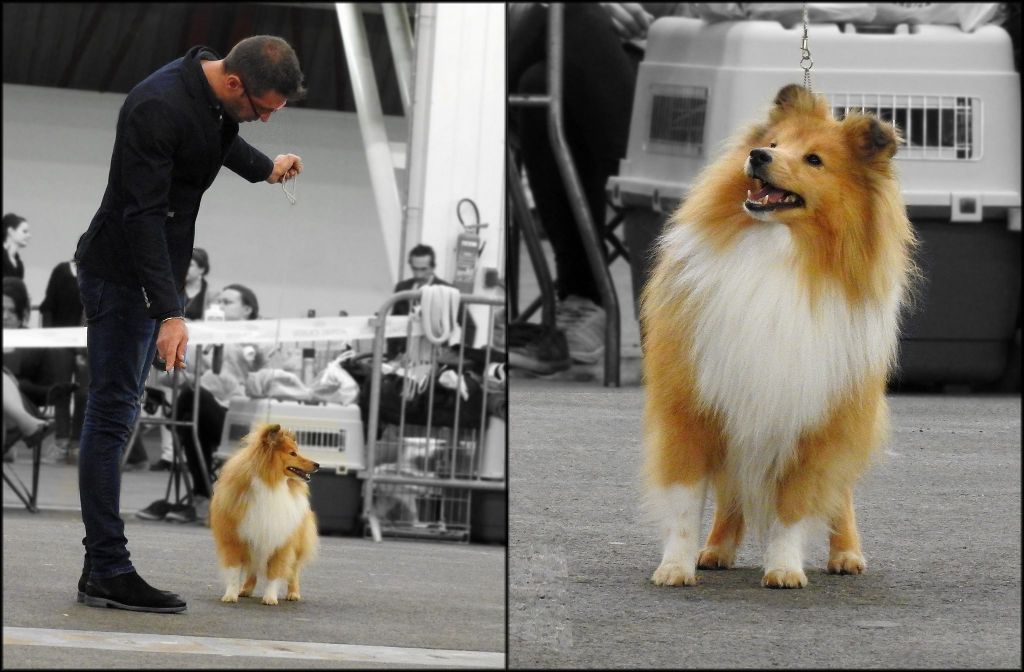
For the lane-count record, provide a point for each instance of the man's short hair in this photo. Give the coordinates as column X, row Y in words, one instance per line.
column 11, row 222
column 423, row 251
column 248, row 299
column 267, row 63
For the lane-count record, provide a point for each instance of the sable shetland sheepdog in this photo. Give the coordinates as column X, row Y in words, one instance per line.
column 260, row 516
column 770, row 324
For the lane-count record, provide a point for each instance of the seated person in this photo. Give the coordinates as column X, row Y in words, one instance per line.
column 422, row 263
column 21, row 411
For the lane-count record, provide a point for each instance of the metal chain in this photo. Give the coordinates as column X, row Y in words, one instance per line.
column 295, row 186
column 805, row 55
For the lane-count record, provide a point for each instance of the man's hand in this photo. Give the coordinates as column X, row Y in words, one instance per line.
column 286, row 166
column 629, row 19
column 171, row 342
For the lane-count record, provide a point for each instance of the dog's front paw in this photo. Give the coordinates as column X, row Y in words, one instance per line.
column 292, row 596
column 846, row 562
column 674, row 574
column 229, row 597
column 784, row 578
column 714, row 557
column 267, row 599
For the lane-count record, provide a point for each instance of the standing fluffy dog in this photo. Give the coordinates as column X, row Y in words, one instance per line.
column 770, row 324
column 260, row 515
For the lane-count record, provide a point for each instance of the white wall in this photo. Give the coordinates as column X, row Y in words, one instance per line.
column 325, row 253
column 465, row 144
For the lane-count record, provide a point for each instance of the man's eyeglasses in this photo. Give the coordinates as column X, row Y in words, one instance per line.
column 253, row 104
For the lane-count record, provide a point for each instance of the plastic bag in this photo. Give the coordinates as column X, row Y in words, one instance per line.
column 335, row 385
column 276, row 384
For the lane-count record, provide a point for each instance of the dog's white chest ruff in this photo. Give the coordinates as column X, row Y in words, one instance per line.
column 767, row 360
column 273, row 515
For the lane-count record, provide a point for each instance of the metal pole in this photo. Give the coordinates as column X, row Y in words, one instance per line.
column 416, row 173
column 521, row 212
column 577, row 200
column 373, row 129
column 400, row 38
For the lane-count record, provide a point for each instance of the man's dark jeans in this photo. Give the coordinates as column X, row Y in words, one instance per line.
column 122, row 343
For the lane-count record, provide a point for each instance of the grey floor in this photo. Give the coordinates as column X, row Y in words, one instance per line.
column 939, row 517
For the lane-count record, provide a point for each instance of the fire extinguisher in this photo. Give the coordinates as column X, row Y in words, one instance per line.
column 468, row 249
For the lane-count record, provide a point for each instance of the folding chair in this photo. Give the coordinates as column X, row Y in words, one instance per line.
column 27, row 495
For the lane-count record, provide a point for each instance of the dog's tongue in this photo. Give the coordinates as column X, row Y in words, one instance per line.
column 774, row 195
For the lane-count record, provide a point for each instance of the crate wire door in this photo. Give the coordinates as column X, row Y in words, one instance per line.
column 421, row 475
column 935, row 127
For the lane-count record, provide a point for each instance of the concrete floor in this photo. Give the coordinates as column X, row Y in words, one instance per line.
column 404, row 601
column 939, row 517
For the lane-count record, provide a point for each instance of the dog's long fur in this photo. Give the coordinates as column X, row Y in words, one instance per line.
column 768, row 337
column 260, row 515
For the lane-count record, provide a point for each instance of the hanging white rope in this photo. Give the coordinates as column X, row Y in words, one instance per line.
column 439, row 311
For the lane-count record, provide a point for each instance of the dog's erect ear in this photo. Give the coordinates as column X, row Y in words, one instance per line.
column 871, row 138
column 790, row 95
column 795, row 98
column 269, row 434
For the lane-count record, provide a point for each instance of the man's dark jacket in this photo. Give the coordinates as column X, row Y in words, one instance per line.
column 172, row 138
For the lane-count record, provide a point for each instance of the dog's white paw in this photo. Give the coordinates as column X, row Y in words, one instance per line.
column 267, row 599
column 228, row 597
column 674, row 574
column 784, row 578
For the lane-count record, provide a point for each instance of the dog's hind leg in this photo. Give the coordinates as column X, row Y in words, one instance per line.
column 719, row 551
column 293, row 584
column 844, row 553
column 250, row 583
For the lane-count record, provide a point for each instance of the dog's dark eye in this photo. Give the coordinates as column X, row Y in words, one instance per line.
column 813, row 159
column 293, row 454
column 772, row 145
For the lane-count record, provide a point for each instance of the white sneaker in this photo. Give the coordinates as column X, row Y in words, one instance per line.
column 55, row 453
column 583, row 322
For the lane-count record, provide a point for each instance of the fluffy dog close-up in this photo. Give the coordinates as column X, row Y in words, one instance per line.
column 770, row 325
column 260, row 515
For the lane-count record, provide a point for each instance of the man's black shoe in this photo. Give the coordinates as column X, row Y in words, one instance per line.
column 129, row 591
column 84, row 578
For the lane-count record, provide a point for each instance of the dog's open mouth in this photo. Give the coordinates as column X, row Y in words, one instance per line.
column 302, row 474
column 769, row 197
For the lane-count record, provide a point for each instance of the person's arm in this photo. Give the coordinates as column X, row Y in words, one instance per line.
column 247, row 161
column 148, row 144
column 254, row 165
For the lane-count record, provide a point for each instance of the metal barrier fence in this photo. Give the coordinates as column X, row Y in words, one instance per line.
column 426, row 453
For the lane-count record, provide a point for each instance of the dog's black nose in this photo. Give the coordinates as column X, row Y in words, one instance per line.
column 759, row 157
column 316, row 467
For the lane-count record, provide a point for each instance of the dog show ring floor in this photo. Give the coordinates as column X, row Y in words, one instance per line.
column 393, row 604
column 940, row 522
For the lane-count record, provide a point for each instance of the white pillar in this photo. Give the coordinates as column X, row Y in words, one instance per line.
column 464, row 139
